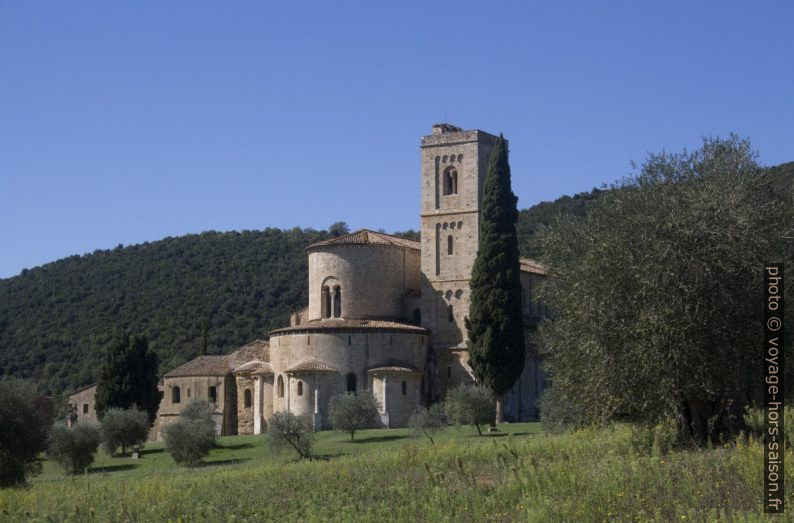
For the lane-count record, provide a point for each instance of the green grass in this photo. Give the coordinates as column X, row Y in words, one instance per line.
column 519, row 473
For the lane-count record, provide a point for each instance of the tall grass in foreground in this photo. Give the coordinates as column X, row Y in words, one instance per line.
column 590, row 475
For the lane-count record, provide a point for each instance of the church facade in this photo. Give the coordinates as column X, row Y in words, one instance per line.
column 385, row 315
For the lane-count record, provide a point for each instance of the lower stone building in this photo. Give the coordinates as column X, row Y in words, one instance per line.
column 208, row 378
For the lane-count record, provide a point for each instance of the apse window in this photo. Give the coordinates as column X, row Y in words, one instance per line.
column 213, row 394
column 175, row 395
column 247, row 398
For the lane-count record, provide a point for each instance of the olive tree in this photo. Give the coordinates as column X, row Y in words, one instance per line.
column 124, row 428
column 429, row 421
column 192, row 435
column 657, row 293
column 74, row 448
column 470, row 405
column 23, row 434
column 285, row 429
column 352, row 412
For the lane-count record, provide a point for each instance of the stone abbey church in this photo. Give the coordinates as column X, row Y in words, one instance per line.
column 385, row 314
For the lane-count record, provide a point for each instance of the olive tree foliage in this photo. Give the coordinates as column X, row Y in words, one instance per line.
column 351, row 412
column 74, row 448
column 429, row 421
column 23, row 433
column 285, row 429
column 470, row 405
column 124, row 428
column 192, row 435
column 657, row 294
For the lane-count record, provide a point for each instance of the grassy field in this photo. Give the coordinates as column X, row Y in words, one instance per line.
column 518, row 473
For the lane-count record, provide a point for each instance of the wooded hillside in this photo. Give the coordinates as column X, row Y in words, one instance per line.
column 56, row 319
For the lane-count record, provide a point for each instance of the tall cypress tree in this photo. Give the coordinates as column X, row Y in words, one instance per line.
column 494, row 324
column 128, row 376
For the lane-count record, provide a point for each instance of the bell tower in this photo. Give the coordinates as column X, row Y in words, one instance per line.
column 454, row 164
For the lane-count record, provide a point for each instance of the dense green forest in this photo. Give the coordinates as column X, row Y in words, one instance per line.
column 56, row 319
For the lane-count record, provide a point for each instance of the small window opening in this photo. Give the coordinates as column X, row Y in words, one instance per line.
column 405, row 387
column 449, row 244
column 85, row 408
column 349, row 340
column 213, row 394
column 451, row 314
column 300, row 388
column 449, row 371
column 350, row 383
column 337, row 302
column 280, row 387
column 325, row 302
column 450, row 181
column 175, row 395
column 188, row 392
column 247, row 398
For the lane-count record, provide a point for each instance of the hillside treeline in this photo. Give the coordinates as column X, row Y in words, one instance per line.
column 56, row 319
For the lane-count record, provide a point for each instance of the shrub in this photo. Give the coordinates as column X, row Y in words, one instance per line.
column 74, row 448
column 352, row 412
column 124, row 428
column 23, row 434
column 471, row 405
column 192, row 436
column 429, row 421
column 287, row 429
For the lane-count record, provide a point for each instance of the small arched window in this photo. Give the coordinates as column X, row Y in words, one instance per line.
column 450, row 181
column 451, row 314
column 337, row 302
column 176, row 395
column 350, row 383
column 300, row 388
column 449, row 244
column 405, row 387
column 280, row 387
column 247, row 398
column 325, row 302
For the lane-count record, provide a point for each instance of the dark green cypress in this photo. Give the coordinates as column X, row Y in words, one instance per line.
column 495, row 324
column 128, row 376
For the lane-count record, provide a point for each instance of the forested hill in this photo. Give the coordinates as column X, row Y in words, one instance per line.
column 56, row 319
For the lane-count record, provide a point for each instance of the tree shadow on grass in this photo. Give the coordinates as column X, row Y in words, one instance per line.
column 222, row 462
column 144, row 452
column 112, row 468
column 326, row 457
column 239, row 446
column 378, row 439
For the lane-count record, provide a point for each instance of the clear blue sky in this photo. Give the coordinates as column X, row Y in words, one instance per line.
column 124, row 122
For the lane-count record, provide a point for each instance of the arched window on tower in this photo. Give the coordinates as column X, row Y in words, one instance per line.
column 350, row 383
column 325, row 302
column 405, row 387
column 449, row 244
column 176, row 395
column 280, row 387
column 451, row 314
column 337, row 302
column 450, row 181
column 300, row 388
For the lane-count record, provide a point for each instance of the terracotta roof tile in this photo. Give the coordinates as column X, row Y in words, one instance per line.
column 341, row 324
column 311, row 366
column 221, row 364
column 216, row 365
column 367, row 237
column 255, row 368
column 394, row 368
